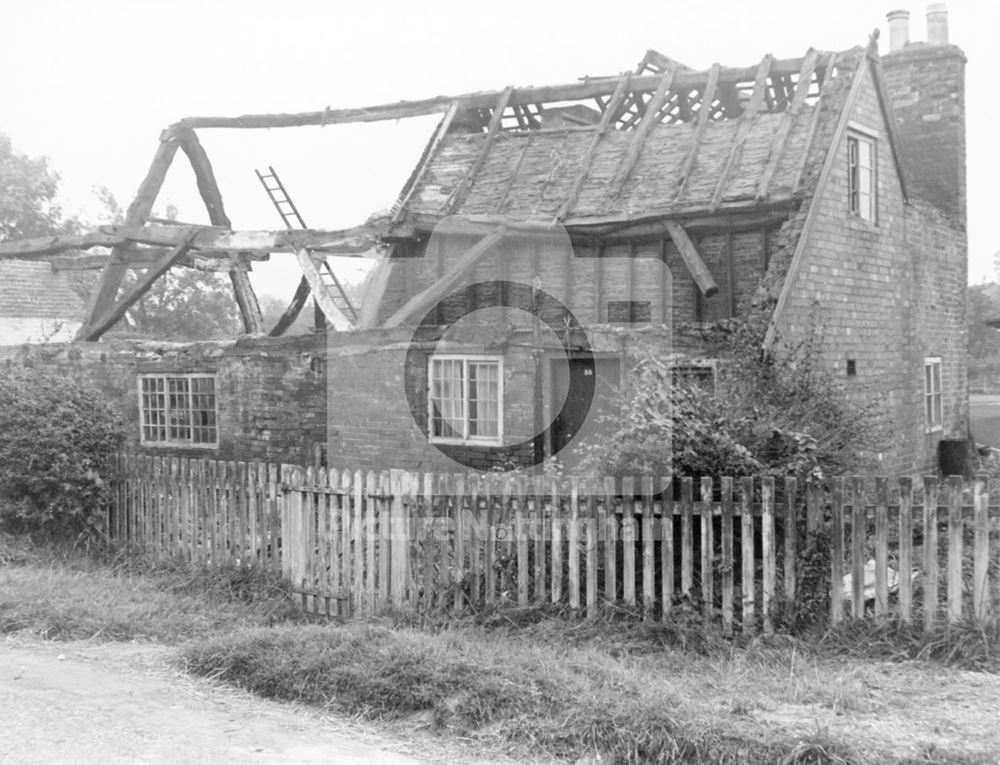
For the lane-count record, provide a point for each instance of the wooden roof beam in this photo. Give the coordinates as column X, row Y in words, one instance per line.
column 102, row 299
column 692, row 259
column 700, row 123
column 577, row 91
column 414, row 180
column 356, row 241
column 832, row 60
column 780, row 138
column 144, row 257
column 456, row 198
column 321, row 295
column 607, row 119
column 208, row 188
column 141, row 287
column 646, row 124
column 750, row 110
column 428, row 297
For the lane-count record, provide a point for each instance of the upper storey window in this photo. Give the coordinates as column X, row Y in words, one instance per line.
column 861, row 180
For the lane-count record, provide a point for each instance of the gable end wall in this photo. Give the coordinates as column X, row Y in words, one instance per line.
column 886, row 296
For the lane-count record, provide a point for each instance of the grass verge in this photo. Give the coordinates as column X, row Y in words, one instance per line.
column 535, row 682
column 524, row 696
column 64, row 594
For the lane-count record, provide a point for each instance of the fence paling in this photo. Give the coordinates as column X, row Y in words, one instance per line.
column 352, row 542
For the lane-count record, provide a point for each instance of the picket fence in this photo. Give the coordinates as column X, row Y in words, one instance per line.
column 353, row 542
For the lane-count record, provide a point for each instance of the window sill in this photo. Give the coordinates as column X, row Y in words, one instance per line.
column 465, row 442
column 858, row 223
column 933, row 429
column 176, row 445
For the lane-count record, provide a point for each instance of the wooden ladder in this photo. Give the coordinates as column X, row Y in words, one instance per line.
column 293, row 221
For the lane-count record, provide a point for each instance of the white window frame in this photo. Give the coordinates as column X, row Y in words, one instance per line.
column 933, row 394
column 861, row 204
column 465, row 439
column 163, row 424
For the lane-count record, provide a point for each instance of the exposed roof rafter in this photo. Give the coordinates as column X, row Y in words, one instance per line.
column 701, row 122
column 750, row 110
column 607, row 119
column 649, row 119
column 781, row 134
column 456, row 198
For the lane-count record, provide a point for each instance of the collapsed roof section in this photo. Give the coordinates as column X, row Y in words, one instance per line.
column 660, row 142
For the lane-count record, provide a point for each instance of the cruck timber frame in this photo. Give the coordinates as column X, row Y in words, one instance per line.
column 659, row 91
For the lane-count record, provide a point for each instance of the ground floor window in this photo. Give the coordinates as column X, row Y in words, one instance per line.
column 700, row 376
column 464, row 403
column 178, row 409
column 932, row 393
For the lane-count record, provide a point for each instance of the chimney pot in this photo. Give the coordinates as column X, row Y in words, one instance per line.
column 937, row 24
column 899, row 29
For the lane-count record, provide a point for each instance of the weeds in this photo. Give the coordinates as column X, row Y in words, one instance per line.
column 964, row 644
column 526, row 695
column 59, row 592
column 534, row 682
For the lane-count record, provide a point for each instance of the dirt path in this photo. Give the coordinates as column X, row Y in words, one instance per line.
column 122, row 703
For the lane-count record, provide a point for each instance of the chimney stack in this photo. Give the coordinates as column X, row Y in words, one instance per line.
column 937, row 24
column 926, row 84
column 899, row 29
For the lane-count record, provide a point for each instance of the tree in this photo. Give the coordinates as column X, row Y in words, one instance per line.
column 28, row 188
column 982, row 305
column 182, row 305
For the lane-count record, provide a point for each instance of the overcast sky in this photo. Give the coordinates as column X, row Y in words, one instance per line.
column 91, row 84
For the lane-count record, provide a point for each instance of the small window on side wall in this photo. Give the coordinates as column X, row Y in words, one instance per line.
column 933, row 408
column 861, row 177
column 178, row 410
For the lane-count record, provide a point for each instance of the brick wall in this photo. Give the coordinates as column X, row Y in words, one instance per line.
column 372, row 425
column 888, row 295
column 271, row 393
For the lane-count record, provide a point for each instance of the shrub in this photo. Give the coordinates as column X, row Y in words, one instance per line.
column 780, row 412
column 57, row 436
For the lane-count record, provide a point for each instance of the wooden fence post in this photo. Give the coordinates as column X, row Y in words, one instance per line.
column 666, row 546
column 955, row 527
column 768, row 552
column 930, row 577
column 385, row 537
column 727, row 554
column 399, row 545
column 573, row 535
column 881, row 546
column 629, row 537
column 746, row 539
column 610, row 532
column 707, row 544
column 687, row 533
column 980, row 575
column 791, row 538
column 837, row 552
column 292, row 526
column 648, row 549
column 590, row 549
column 521, row 534
column 905, row 548
column 858, row 532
